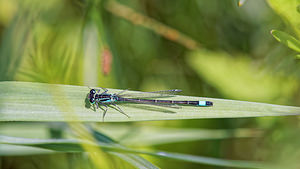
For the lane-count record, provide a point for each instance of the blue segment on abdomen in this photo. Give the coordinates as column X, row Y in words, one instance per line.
column 202, row 103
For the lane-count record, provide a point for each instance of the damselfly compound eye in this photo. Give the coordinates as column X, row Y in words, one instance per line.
column 92, row 91
column 92, row 100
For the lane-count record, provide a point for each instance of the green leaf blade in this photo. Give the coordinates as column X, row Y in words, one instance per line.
column 26, row 101
column 287, row 40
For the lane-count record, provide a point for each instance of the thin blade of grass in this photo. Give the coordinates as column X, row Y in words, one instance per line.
column 72, row 145
column 134, row 135
column 150, row 135
column 16, row 150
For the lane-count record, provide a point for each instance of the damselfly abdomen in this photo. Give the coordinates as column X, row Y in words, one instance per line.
column 98, row 98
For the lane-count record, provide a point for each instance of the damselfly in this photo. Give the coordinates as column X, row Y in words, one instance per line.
column 98, row 98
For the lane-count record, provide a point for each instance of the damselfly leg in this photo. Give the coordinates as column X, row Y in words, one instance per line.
column 123, row 91
column 97, row 105
column 105, row 90
column 116, row 107
column 120, row 110
column 104, row 111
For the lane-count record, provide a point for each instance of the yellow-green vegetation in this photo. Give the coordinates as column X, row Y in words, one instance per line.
column 241, row 55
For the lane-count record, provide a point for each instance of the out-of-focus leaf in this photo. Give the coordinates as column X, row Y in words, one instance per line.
column 41, row 131
column 16, row 150
column 288, row 11
column 149, row 135
column 53, row 56
column 13, row 44
column 136, row 135
column 238, row 78
column 211, row 161
column 133, row 159
column 287, row 40
column 241, row 2
column 26, row 130
column 71, row 145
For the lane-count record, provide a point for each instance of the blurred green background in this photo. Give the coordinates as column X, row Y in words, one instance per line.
column 206, row 48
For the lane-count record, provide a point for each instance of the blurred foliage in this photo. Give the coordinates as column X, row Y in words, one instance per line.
column 213, row 48
column 240, row 79
column 287, row 39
